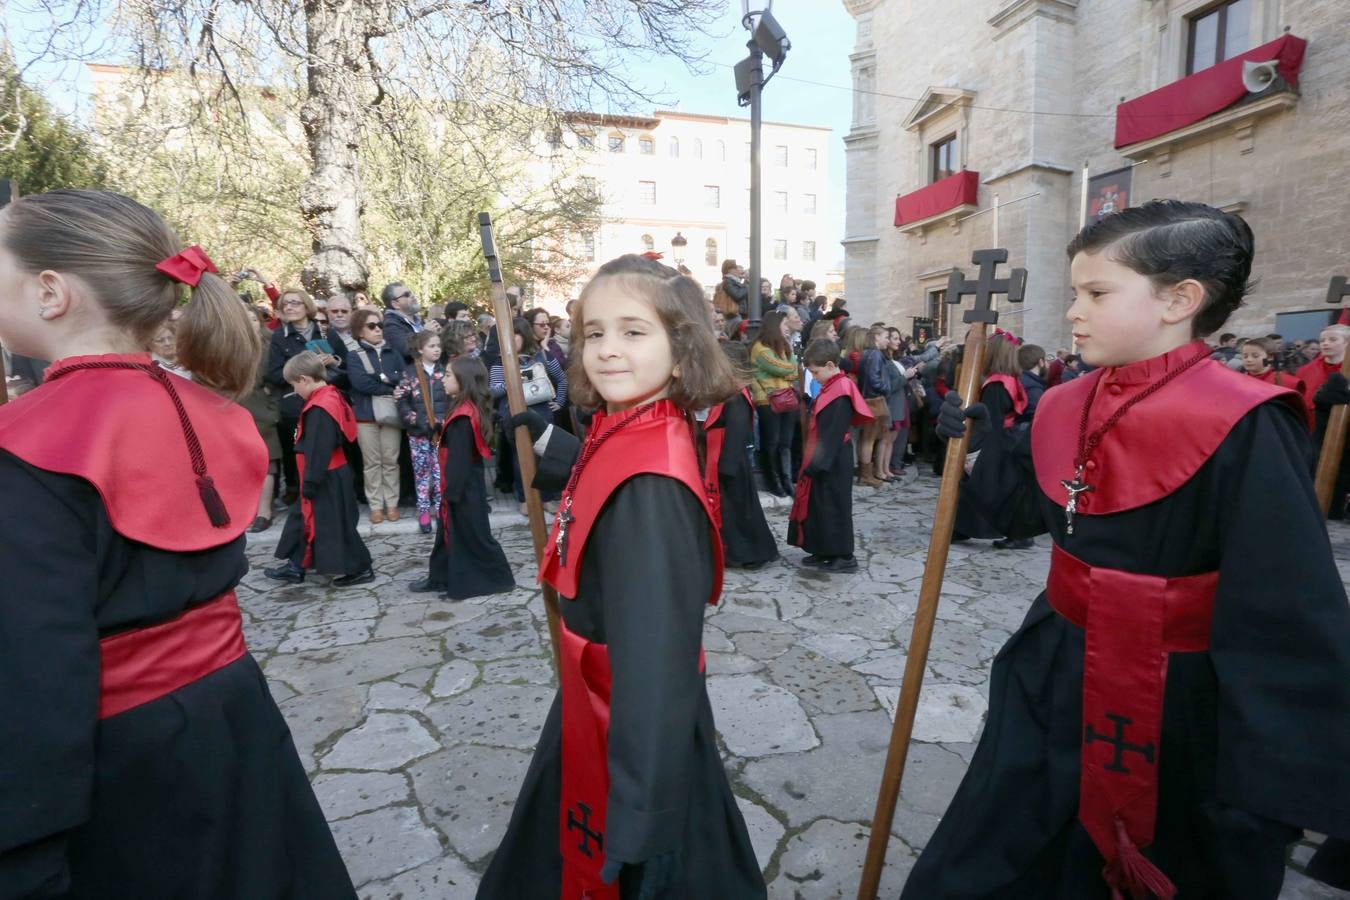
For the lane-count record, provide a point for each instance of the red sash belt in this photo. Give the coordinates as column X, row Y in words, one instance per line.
column 1131, row 623
column 148, row 663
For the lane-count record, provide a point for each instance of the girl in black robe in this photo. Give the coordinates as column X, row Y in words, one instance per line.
column 466, row 560
column 747, row 541
column 120, row 558
column 1254, row 729
column 635, row 557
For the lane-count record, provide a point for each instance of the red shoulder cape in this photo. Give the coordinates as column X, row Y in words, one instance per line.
column 117, row 429
column 658, row 442
column 1159, row 444
column 468, row 411
column 837, row 386
column 1314, row 375
column 1013, row 385
column 330, row 400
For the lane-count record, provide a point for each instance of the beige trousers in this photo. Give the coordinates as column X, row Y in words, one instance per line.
column 379, row 453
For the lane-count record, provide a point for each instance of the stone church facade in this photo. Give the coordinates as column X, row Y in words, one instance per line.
column 955, row 104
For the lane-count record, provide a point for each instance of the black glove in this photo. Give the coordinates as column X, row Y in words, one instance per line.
column 309, row 490
column 531, row 420
column 951, row 421
column 1334, row 392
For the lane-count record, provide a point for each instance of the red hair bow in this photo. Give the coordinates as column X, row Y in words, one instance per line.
column 187, row 266
column 1008, row 336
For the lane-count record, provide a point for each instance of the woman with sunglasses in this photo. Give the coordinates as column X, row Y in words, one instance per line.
column 297, row 331
column 374, row 371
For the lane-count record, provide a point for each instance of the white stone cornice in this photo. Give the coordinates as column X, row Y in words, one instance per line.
column 856, row 8
column 1014, row 12
column 935, row 101
column 1017, row 168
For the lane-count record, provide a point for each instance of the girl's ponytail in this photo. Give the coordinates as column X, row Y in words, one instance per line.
column 218, row 339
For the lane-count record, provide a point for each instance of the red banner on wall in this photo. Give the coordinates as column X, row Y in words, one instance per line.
column 938, row 197
column 1201, row 95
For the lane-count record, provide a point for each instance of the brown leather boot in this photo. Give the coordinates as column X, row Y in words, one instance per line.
column 869, row 478
column 391, row 514
column 376, row 516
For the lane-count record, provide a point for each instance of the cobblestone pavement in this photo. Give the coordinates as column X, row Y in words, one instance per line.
column 415, row 717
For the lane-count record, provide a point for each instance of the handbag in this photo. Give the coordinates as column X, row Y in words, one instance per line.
column 383, row 409
column 783, row 400
column 536, row 385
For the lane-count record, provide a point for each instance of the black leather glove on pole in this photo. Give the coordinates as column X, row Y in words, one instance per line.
column 531, row 420
column 951, row 421
column 1334, row 392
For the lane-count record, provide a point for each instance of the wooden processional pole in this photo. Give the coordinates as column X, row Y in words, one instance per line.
column 9, row 192
column 979, row 317
column 515, row 398
column 1333, row 440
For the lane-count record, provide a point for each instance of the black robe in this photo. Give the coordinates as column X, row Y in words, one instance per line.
column 338, row 548
column 1255, row 731
column 198, row 795
column 970, row 520
column 828, row 528
column 746, row 538
column 647, row 570
column 473, row 564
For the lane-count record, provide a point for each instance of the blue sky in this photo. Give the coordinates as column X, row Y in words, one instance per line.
column 812, row 88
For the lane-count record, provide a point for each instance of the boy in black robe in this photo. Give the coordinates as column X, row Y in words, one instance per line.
column 821, row 521
column 320, row 532
column 1177, row 702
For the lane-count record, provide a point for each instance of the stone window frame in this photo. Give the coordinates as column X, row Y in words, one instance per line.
column 939, row 114
column 616, row 142
column 1263, row 28
column 808, row 251
column 646, row 189
column 712, row 196
column 646, row 145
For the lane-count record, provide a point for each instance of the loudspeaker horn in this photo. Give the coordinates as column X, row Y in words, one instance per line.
column 1257, row 76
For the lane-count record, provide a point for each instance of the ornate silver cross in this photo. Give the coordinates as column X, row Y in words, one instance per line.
column 1075, row 487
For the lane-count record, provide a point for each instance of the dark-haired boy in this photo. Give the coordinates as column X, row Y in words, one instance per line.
column 821, row 521
column 1031, row 360
column 1171, row 711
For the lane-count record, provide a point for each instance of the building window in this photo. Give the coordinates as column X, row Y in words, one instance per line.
column 648, row 245
column 810, row 157
column 589, row 187
column 809, row 204
column 710, row 252
column 647, row 193
column 780, row 249
column 674, row 148
column 616, row 142
column 555, row 140
column 646, row 146
column 721, row 151
column 780, row 201
column 809, row 251
column 712, row 196
column 585, row 141
column 698, row 148
column 588, row 247
column 780, row 156
column 942, row 158
column 937, row 311
column 1220, row 32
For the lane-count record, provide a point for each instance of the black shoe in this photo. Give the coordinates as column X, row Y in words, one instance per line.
column 959, row 538
column 259, row 525
column 424, row 587
column 814, row 560
column 359, row 578
column 287, row 572
column 840, row 565
column 1014, row 544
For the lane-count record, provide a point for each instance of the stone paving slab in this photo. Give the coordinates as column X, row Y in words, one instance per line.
column 416, row 716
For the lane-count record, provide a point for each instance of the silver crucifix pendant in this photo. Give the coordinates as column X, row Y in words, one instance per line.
column 1075, row 487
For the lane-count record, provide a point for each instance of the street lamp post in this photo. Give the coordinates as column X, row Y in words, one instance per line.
column 677, row 245
column 767, row 38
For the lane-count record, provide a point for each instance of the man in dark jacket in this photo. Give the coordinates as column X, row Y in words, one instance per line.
column 400, row 317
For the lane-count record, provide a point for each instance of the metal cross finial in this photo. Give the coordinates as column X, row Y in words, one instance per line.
column 1338, row 289
column 986, row 286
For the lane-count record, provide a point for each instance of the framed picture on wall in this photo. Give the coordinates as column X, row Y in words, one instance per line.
column 1108, row 192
